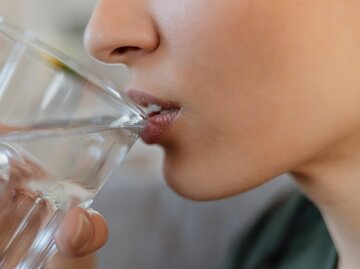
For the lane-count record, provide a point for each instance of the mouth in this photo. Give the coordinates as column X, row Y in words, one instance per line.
column 161, row 114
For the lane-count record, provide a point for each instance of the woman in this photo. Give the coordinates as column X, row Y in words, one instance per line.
column 250, row 89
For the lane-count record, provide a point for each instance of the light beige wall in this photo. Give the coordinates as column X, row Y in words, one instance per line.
column 15, row 11
column 59, row 23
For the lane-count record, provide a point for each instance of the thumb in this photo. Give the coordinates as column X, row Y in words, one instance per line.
column 81, row 233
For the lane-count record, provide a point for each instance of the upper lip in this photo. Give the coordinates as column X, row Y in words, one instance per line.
column 147, row 102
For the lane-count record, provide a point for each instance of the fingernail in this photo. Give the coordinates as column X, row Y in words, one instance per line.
column 92, row 211
column 83, row 233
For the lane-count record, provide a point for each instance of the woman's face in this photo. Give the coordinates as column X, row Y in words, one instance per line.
column 264, row 86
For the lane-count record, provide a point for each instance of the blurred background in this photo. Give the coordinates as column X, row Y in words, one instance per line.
column 150, row 226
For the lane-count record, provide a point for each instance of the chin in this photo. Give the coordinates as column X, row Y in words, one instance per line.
column 200, row 187
column 190, row 192
column 205, row 182
column 196, row 177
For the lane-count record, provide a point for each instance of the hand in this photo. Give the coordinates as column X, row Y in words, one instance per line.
column 81, row 233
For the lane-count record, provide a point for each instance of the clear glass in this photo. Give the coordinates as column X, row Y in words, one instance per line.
column 62, row 131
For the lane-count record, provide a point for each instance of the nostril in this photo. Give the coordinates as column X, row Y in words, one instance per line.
column 124, row 50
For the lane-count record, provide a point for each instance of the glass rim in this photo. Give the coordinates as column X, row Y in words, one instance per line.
column 64, row 62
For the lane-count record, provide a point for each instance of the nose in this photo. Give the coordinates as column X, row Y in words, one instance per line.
column 121, row 31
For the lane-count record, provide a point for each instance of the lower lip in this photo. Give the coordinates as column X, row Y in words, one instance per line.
column 156, row 127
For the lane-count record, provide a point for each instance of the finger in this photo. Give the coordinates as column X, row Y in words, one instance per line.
column 81, row 233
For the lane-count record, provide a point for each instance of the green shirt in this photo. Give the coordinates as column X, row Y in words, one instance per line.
column 291, row 235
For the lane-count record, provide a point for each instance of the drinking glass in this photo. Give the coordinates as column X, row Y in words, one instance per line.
column 62, row 131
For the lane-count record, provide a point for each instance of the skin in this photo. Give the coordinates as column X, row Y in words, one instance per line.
column 254, row 79
column 265, row 87
column 90, row 231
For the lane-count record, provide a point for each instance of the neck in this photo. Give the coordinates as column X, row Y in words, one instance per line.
column 333, row 184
